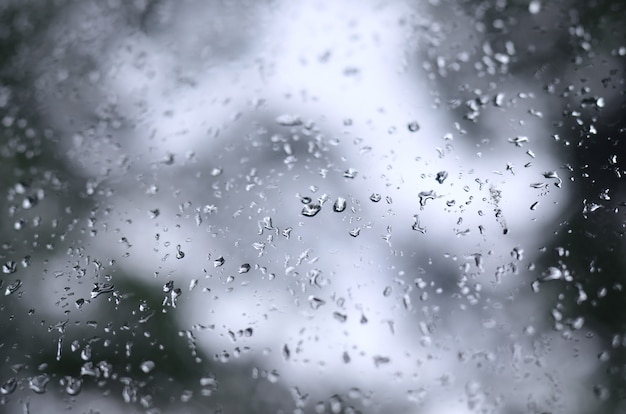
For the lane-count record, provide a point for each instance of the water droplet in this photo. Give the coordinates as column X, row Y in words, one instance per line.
column 315, row 302
column 375, row 197
column 416, row 225
column 38, row 383
column 147, row 366
column 552, row 273
column 340, row 205
column 13, row 287
column 179, row 253
column 168, row 286
column 311, row 210
column 350, row 173
column 85, row 354
column 413, row 126
column 518, row 141
column 387, row 291
column 100, row 288
column 8, row 386
column 219, row 261
column 601, row 392
column 534, row 7
column 553, row 174
column 424, row 196
column 244, row 268
column 73, row 385
column 9, row 267
column 355, row 232
column 340, row 317
column 288, row 120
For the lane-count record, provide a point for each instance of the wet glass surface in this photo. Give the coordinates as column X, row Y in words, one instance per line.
column 312, row 207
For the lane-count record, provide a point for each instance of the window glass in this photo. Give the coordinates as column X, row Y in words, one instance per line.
column 312, row 207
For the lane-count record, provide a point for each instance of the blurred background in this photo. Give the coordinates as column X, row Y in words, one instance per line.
column 312, row 207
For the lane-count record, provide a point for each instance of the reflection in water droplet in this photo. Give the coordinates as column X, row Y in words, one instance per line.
column 311, row 210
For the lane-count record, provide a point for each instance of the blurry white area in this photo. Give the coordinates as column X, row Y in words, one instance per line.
column 347, row 68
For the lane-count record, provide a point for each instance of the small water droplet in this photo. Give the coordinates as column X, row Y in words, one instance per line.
column 413, row 126
column 100, row 288
column 350, row 173
column 168, row 286
column 424, row 196
column 147, row 366
column 244, row 268
column 311, row 210
column 179, row 253
column 219, row 261
column 375, row 197
column 288, row 120
column 534, row 7
column 9, row 267
column 13, row 287
column 416, row 225
column 38, row 383
column 315, row 302
column 552, row 273
column 340, row 317
column 441, row 176
column 73, row 385
column 8, row 386
column 339, row 205
column 355, row 232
